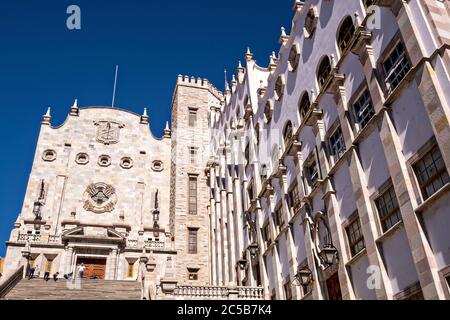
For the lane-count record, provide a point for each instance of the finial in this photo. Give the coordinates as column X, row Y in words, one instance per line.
column 248, row 55
column 272, row 63
column 47, row 117
column 227, row 86
column 74, row 111
column 144, row 117
column 233, row 83
column 283, row 37
column 298, row 5
column 167, row 131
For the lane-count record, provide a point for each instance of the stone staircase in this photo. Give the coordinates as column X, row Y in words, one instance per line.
column 38, row 289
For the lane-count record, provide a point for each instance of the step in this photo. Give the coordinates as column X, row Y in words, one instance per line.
column 38, row 289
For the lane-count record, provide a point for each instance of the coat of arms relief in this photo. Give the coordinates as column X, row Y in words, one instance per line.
column 108, row 132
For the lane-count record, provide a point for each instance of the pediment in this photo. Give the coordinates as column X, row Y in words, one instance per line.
column 78, row 231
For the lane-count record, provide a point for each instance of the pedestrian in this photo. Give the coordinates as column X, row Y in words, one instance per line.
column 81, row 270
column 47, row 272
column 31, row 273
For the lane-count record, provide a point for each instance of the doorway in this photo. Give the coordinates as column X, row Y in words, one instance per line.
column 334, row 287
column 95, row 267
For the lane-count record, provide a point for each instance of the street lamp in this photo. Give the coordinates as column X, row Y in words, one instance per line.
column 242, row 264
column 156, row 215
column 37, row 208
column 329, row 255
column 303, row 277
column 253, row 249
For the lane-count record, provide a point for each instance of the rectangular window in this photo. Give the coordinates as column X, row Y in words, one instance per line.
column 294, row 198
column 337, row 144
column 192, row 241
column 193, row 155
column 192, row 195
column 130, row 270
column 266, row 233
column 193, row 274
column 247, row 154
column 279, row 221
column 363, row 109
column 288, row 290
column 388, row 209
column 396, row 66
column 251, row 195
column 355, row 237
column 192, row 117
column 431, row 172
column 312, row 174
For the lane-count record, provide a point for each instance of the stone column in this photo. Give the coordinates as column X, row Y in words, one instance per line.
column 359, row 186
column 113, row 267
column 69, row 261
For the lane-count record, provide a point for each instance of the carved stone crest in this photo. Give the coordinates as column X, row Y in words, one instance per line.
column 108, row 132
column 100, row 198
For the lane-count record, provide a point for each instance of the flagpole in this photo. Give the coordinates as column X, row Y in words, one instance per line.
column 115, row 84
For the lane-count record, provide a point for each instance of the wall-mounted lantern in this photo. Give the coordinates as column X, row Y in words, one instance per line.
column 329, row 255
column 242, row 263
column 303, row 277
column 253, row 249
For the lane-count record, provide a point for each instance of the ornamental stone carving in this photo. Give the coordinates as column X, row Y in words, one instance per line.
column 100, row 198
column 108, row 132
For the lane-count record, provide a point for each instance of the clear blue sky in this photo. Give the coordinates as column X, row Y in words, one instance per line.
column 44, row 64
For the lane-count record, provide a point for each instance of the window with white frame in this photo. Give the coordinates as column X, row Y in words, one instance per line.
column 312, row 173
column 395, row 66
column 363, row 109
column 337, row 143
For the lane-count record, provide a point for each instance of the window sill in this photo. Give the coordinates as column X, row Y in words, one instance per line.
column 431, row 200
column 356, row 257
column 399, row 225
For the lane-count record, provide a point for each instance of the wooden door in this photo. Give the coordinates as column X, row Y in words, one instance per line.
column 334, row 288
column 93, row 267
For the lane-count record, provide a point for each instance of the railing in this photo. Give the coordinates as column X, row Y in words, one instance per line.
column 202, row 291
column 11, row 282
column 216, row 292
column 38, row 238
column 29, row 237
column 250, row 293
column 132, row 243
column 152, row 244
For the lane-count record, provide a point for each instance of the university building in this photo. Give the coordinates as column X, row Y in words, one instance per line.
column 323, row 175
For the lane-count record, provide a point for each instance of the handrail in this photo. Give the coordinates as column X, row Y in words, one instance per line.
column 11, row 282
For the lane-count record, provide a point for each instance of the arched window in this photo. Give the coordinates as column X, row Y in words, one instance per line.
column 287, row 132
column 303, row 105
column 280, row 84
column 323, row 71
column 345, row 33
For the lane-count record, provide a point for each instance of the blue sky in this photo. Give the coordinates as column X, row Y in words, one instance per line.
column 42, row 64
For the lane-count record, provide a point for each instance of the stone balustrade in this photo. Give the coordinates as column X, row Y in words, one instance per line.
column 39, row 238
column 154, row 245
column 250, row 293
column 217, row 293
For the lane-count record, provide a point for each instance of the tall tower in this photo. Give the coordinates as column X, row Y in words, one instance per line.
column 189, row 194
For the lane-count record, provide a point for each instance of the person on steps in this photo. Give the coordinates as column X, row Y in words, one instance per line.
column 81, row 270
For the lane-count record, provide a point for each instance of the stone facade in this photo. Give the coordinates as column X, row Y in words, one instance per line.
column 321, row 156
